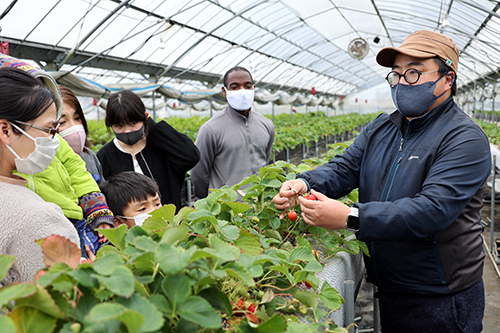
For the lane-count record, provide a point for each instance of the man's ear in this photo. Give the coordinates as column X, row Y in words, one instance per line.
column 147, row 115
column 118, row 221
column 224, row 91
column 452, row 76
column 450, row 79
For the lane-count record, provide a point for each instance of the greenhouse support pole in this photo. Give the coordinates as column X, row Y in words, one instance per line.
column 272, row 109
column 154, row 105
column 188, row 192
column 376, row 313
column 493, row 108
column 492, row 223
column 482, row 110
column 349, row 304
column 211, row 109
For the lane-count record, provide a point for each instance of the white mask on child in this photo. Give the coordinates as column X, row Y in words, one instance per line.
column 138, row 219
column 40, row 158
column 240, row 99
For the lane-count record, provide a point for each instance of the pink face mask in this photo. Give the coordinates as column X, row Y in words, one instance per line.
column 75, row 136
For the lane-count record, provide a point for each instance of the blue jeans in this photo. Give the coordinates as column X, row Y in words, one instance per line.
column 454, row 313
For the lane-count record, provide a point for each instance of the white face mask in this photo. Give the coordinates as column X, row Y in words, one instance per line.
column 40, row 158
column 75, row 136
column 240, row 99
column 138, row 219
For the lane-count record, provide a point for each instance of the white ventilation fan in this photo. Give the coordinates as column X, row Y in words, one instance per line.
column 358, row 48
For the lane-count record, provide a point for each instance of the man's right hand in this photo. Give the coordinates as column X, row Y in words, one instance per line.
column 286, row 197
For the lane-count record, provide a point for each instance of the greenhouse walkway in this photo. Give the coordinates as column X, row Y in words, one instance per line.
column 491, row 321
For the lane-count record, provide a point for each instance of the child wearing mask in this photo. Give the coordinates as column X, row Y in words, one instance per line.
column 131, row 197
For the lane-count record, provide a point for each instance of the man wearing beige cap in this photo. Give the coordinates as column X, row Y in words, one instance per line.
column 420, row 172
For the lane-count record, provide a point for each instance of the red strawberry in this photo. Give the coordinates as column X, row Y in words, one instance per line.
column 292, row 215
column 252, row 308
column 311, row 197
column 308, row 285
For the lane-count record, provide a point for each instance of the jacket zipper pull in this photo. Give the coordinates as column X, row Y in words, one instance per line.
column 401, row 145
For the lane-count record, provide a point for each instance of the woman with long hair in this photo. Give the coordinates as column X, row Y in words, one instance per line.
column 73, row 128
column 156, row 150
column 28, row 143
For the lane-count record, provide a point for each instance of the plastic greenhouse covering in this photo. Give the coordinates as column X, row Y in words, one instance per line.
column 180, row 49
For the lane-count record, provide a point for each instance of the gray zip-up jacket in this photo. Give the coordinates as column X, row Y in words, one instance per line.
column 231, row 147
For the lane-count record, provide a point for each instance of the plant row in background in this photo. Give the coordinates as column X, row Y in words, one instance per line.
column 301, row 129
column 492, row 130
column 223, row 266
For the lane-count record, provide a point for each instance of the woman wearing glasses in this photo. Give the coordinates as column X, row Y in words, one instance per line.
column 27, row 143
column 65, row 181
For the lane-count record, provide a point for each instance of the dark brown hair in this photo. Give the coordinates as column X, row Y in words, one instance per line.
column 23, row 97
column 126, row 107
column 234, row 69
column 69, row 98
column 127, row 186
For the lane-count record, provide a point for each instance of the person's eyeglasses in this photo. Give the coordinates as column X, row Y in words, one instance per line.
column 411, row 76
column 51, row 130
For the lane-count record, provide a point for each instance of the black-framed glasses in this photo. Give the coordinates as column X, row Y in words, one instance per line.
column 51, row 130
column 411, row 76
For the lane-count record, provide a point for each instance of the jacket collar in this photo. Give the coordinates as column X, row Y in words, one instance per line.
column 236, row 116
column 420, row 123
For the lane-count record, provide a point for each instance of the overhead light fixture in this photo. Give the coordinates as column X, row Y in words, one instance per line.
column 376, row 40
column 446, row 21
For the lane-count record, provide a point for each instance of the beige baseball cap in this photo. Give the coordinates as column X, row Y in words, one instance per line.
column 422, row 44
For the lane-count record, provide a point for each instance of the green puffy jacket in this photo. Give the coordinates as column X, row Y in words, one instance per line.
column 64, row 181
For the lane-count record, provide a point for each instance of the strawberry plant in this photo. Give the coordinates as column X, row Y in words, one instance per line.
column 288, row 132
column 224, row 265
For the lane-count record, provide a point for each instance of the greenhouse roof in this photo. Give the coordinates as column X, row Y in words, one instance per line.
column 290, row 45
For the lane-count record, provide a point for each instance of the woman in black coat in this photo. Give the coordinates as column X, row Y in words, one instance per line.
column 156, row 150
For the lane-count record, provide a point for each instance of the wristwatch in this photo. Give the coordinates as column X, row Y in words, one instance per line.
column 352, row 223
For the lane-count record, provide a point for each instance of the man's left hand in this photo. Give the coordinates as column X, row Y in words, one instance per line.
column 324, row 212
